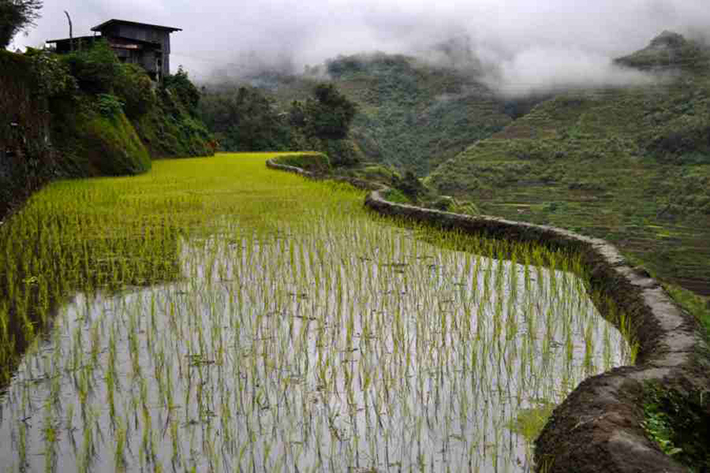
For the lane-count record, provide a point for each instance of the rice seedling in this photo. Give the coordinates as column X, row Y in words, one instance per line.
column 215, row 315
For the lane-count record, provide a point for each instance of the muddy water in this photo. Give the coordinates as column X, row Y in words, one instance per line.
column 334, row 346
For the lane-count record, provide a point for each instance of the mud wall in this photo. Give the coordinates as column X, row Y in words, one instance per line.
column 599, row 426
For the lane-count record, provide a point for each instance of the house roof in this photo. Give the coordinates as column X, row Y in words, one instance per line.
column 114, row 21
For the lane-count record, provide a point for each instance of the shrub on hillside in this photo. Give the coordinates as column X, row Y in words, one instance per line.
column 245, row 120
column 411, row 186
column 326, row 116
column 112, row 146
column 169, row 132
column 379, row 173
column 97, row 69
column 341, row 152
column 93, row 142
column 26, row 157
column 317, row 163
column 323, row 123
column 681, row 136
column 109, row 105
column 53, row 76
column 330, row 115
column 115, row 103
column 185, row 90
column 135, row 90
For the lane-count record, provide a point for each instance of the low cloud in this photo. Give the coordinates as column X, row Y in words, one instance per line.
column 524, row 46
column 542, row 70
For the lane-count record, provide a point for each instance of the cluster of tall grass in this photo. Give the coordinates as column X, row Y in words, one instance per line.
column 215, row 315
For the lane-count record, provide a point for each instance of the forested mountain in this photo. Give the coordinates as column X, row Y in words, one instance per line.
column 410, row 115
column 414, row 115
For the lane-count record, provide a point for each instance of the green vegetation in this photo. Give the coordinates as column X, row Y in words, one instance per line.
column 89, row 127
column 317, row 163
column 628, row 165
column 410, row 115
column 26, row 161
column 669, row 50
column 106, row 143
column 15, row 16
column 531, row 421
column 408, row 189
column 244, row 119
column 324, row 123
column 328, row 116
column 96, row 125
column 377, row 172
column 397, row 196
column 87, row 114
column 679, row 423
column 696, row 305
column 414, row 116
column 213, row 314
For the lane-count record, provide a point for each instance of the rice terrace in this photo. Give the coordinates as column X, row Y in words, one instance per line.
column 354, row 237
column 217, row 315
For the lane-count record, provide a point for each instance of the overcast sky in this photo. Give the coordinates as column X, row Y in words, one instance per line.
column 531, row 42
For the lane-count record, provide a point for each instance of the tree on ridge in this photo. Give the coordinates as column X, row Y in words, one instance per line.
column 15, row 16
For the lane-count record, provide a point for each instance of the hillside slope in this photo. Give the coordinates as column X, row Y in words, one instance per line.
column 411, row 115
column 87, row 114
column 628, row 165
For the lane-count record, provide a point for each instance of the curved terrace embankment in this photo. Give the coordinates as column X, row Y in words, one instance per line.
column 599, row 426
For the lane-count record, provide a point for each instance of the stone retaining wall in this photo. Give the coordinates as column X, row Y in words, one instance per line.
column 598, row 427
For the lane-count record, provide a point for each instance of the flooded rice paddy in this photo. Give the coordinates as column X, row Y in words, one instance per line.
column 249, row 320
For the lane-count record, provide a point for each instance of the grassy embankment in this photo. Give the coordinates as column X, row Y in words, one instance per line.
column 289, row 309
column 86, row 114
column 111, row 119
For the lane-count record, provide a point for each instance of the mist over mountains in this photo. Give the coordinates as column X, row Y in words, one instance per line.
column 519, row 46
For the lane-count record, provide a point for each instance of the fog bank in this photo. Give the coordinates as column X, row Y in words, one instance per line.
column 524, row 45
